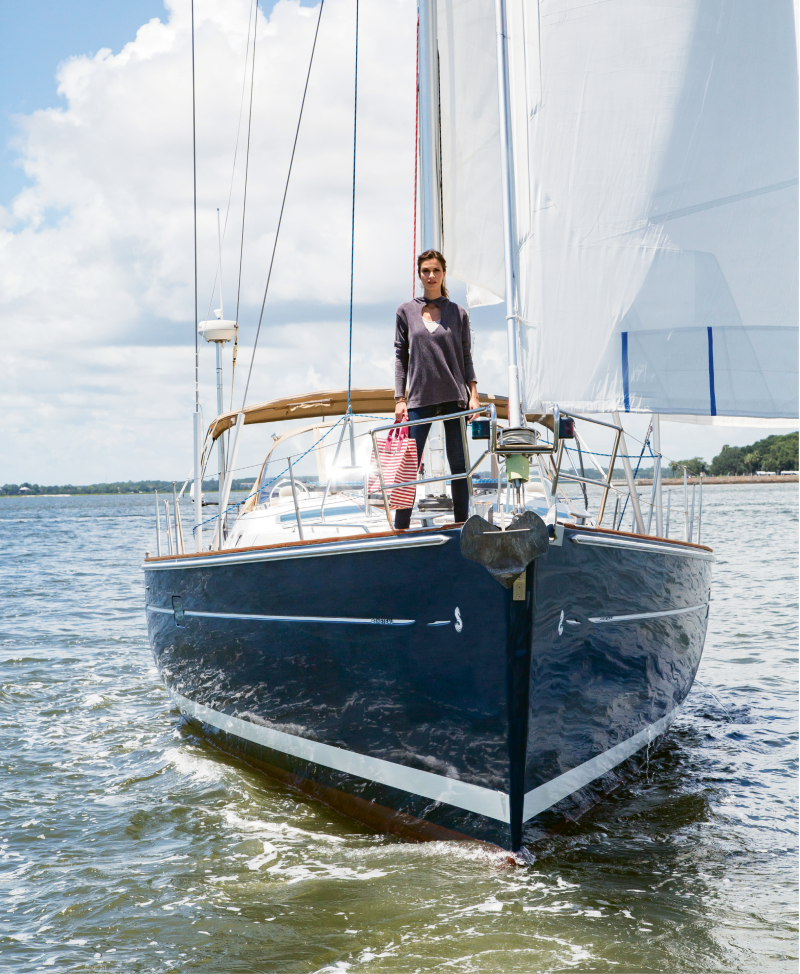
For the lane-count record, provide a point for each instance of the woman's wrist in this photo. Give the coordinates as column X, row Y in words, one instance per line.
column 399, row 399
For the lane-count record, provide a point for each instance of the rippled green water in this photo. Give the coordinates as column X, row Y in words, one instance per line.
column 128, row 844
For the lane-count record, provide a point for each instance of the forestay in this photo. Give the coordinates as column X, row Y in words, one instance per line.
column 655, row 154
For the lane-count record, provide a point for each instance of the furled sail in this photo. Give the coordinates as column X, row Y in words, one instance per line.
column 655, row 155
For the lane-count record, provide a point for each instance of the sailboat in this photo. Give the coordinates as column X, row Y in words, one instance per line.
column 623, row 177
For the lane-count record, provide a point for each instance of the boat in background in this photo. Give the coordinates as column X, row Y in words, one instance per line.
column 472, row 681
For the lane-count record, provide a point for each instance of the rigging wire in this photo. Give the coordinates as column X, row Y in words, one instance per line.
column 645, row 446
column 416, row 160
column 353, row 221
column 244, row 206
column 283, row 205
column 259, row 487
column 218, row 273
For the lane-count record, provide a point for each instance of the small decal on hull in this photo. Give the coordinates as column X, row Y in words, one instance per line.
column 569, row 622
column 459, row 623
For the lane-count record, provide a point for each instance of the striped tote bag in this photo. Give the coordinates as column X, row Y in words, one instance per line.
column 399, row 463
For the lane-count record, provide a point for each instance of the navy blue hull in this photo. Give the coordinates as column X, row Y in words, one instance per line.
column 408, row 681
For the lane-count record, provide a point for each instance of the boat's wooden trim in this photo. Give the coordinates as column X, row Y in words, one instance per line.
column 416, row 531
column 301, row 544
column 638, row 537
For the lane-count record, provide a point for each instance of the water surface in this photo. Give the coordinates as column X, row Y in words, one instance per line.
column 128, row 844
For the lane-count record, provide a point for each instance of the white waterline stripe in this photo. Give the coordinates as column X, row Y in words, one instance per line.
column 649, row 615
column 461, row 794
column 260, row 618
column 547, row 795
column 604, row 541
column 311, row 551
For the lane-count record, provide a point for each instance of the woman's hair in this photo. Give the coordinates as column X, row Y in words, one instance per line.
column 433, row 255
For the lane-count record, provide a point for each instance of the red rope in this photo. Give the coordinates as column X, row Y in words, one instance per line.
column 416, row 158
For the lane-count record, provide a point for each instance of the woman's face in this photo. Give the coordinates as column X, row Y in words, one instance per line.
column 431, row 274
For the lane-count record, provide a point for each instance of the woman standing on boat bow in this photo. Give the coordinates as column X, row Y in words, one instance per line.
column 433, row 373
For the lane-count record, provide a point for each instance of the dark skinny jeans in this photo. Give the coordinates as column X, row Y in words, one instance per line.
column 455, row 456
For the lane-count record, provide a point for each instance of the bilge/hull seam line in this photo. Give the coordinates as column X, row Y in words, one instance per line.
column 461, row 794
column 546, row 795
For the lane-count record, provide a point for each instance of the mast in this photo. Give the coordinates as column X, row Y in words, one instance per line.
column 196, row 418
column 429, row 147
column 509, row 235
column 221, row 316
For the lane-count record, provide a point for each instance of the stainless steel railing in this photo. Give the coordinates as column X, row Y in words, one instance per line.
column 503, row 442
column 446, row 478
column 558, row 445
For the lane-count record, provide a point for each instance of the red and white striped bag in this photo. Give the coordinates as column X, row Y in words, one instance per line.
column 398, row 456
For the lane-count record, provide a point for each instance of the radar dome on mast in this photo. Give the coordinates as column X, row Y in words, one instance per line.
column 219, row 330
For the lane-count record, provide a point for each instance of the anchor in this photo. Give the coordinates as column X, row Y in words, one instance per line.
column 505, row 554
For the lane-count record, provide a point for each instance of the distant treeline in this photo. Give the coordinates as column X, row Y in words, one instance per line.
column 120, row 487
column 773, row 454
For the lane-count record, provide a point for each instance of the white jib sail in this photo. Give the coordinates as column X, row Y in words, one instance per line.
column 655, row 150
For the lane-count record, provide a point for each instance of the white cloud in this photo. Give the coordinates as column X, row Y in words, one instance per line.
column 96, row 255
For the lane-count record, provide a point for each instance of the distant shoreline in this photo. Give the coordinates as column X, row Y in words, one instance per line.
column 121, row 493
column 708, row 481
column 726, row 479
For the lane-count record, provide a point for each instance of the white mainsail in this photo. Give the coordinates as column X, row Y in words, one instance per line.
column 655, row 153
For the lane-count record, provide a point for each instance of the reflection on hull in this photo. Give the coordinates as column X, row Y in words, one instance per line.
column 385, row 683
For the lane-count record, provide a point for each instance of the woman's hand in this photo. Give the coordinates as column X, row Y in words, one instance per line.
column 400, row 411
column 474, row 401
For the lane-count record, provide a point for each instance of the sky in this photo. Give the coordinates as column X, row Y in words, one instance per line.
column 96, row 265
